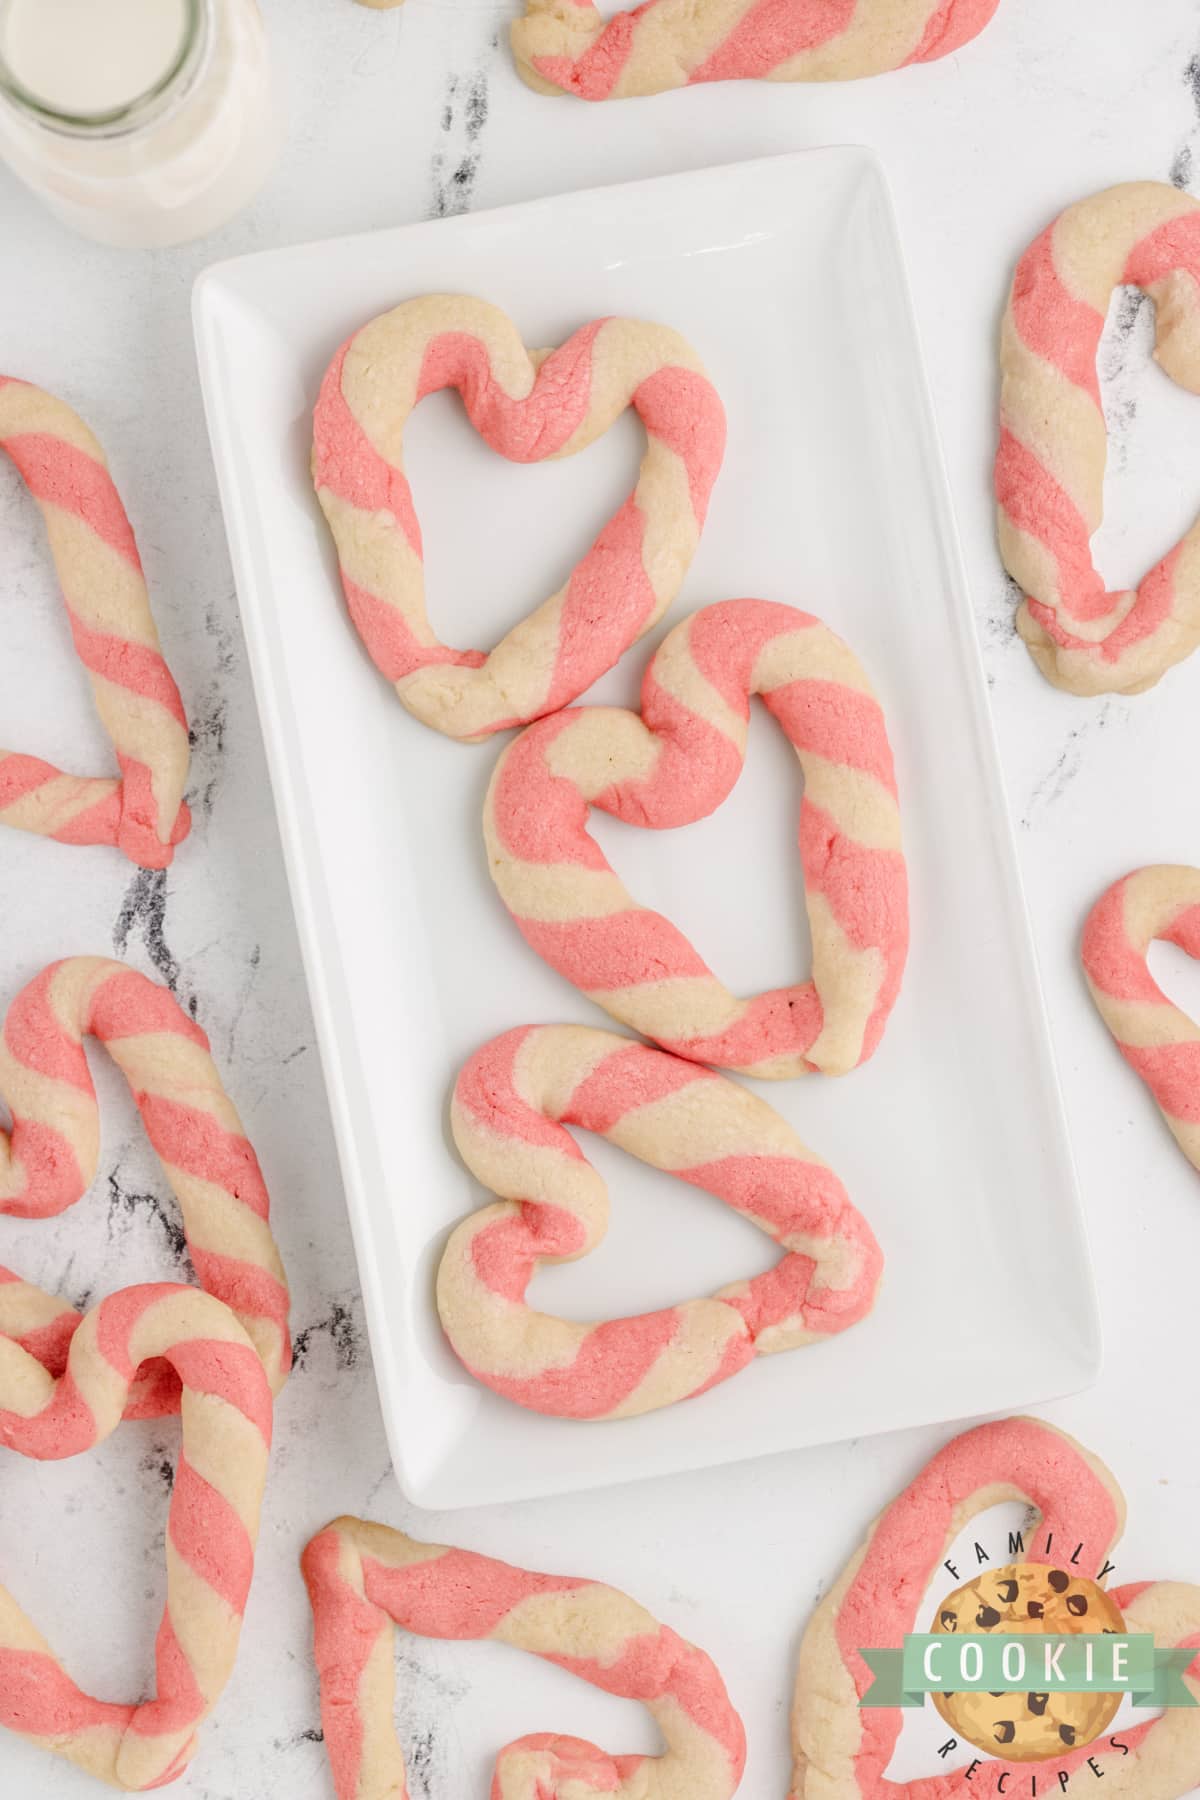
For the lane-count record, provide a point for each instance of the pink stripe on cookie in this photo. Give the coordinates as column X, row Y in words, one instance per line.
column 771, row 32
column 953, row 25
column 39, row 1699
column 627, row 1080
column 389, row 638
column 57, row 474
column 347, row 464
column 592, row 626
column 1034, row 503
column 1048, row 318
column 459, row 1595
column 207, row 1533
column 525, row 430
column 133, row 666
column 612, row 1362
column 621, row 950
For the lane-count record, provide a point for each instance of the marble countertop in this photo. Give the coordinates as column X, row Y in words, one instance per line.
column 413, row 114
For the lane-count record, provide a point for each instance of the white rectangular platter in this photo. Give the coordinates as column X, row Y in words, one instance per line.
column 786, row 275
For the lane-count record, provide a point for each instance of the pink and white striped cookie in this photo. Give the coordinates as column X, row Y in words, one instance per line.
column 571, row 47
column 49, row 1159
column 211, row 1528
column 100, row 573
column 1157, row 1040
column 1054, row 440
column 361, row 1577
column 675, row 762
column 842, row 1753
column 528, row 407
column 511, row 1105
column 43, row 1324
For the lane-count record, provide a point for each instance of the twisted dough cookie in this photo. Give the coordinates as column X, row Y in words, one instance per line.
column 567, row 46
column 675, row 763
column 100, row 573
column 361, row 1577
column 510, row 1107
column 1054, row 441
column 211, row 1528
column 529, row 407
column 842, row 1753
column 50, row 1158
column 1157, row 1040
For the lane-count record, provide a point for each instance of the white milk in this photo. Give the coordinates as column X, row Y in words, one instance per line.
column 90, row 56
column 139, row 122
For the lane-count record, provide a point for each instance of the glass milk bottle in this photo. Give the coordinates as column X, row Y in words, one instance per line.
column 139, row 122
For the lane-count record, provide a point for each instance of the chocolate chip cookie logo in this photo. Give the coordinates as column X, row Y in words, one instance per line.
column 1032, row 1606
column 1028, row 1663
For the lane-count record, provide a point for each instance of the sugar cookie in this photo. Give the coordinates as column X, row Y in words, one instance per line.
column 49, row 1159
column 362, row 1577
column 675, row 762
column 1054, row 440
column 569, row 46
column 211, row 1528
column 528, row 407
column 842, row 1752
column 1154, row 1036
column 100, row 573
column 511, row 1105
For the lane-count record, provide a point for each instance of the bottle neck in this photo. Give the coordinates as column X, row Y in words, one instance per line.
column 183, row 64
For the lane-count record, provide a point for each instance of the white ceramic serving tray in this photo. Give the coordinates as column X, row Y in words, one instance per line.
column 787, row 277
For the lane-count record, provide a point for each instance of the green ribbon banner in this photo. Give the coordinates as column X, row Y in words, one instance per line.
column 939, row 1663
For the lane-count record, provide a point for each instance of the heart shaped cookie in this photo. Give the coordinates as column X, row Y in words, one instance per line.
column 676, row 762
column 527, row 407
column 570, row 46
column 842, row 1752
column 1054, row 440
column 211, row 1528
column 50, row 1157
column 362, row 1576
column 100, row 574
column 1156, row 1039
column 512, row 1103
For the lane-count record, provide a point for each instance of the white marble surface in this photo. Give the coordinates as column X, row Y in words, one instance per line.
column 405, row 115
